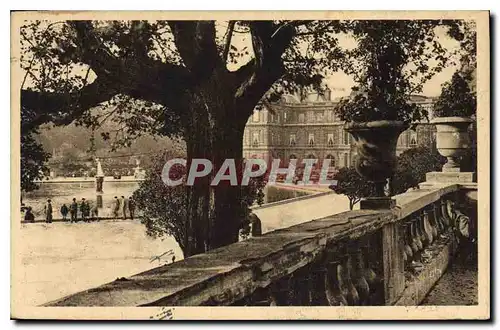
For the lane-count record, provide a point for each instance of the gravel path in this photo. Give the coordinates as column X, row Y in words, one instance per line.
column 458, row 286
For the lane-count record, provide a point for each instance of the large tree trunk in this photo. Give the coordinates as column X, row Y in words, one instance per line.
column 213, row 131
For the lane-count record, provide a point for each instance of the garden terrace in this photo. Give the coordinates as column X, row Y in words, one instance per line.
column 360, row 257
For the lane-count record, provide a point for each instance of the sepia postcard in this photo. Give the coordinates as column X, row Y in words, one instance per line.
column 243, row 165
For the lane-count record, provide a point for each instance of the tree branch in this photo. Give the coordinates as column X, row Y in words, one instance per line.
column 195, row 41
column 227, row 45
column 138, row 76
column 63, row 108
column 257, row 76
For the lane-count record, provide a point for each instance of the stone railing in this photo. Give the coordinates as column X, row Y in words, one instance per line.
column 361, row 257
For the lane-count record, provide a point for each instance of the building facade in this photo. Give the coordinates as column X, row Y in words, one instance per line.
column 307, row 127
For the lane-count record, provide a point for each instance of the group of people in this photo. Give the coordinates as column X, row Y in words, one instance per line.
column 124, row 204
column 83, row 210
column 87, row 212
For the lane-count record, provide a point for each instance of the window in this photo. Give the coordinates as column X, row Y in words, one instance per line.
column 332, row 160
column 330, row 140
column 301, row 118
column 256, row 116
column 255, row 139
column 346, row 138
column 285, row 116
column 311, row 139
column 319, row 117
column 346, row 160
column 413, row 139
column 292, row 139
column 310, row 116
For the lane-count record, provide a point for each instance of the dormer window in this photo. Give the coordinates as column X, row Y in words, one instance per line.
column 413, row 139
column 255, row 139
column 330, row 140
column 311, row 139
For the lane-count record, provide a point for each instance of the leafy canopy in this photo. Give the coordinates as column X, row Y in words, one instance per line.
column 457, row 98
column 393, row 60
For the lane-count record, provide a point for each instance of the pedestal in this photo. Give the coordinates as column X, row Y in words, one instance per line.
column 99, row 181
column 451, row 177
column 377, row 203
column 99, row 200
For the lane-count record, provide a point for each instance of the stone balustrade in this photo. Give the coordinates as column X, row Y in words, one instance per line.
column 355, row 258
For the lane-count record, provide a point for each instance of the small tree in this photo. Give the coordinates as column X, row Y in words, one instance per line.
column 351, row 184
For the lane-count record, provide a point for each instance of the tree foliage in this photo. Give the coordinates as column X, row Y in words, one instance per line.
column 390, row 63
column 33, row 156
column 351, row 184
column 456, row 98
column 413, row 164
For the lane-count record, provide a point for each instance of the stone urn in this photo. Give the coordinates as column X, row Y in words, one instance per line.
column 452, row 139
column 375, row 142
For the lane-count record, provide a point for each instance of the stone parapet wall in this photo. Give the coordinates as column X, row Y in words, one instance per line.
column 287, row 266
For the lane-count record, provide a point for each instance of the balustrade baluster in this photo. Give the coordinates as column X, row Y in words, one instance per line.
column 433, row 223
column 352, row 294
column 359, row 279
column 420, row 227
column 439, row 221
column 427, row 227
column 370, row 276
column 334, row 286
column 416, row 235
column 408, row 252
column 318, row 296
column 444, row 215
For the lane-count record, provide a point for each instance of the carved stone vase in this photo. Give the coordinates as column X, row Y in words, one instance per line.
column 376, row 161
column 452, row 139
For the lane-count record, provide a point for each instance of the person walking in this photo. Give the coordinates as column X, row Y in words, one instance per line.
column 64, row 211
column 116, row 208
column 48, row 212
column 73, row 211
column 124, row 204
column 83, row 210
column 131, row 207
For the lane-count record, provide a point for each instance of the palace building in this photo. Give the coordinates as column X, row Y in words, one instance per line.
column 306, row 127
